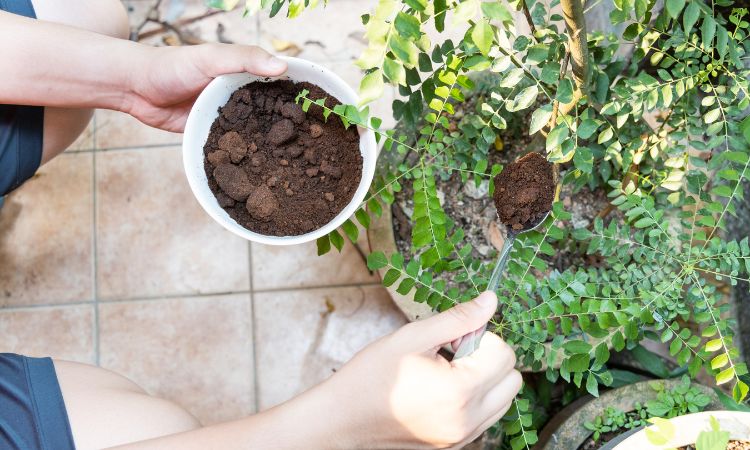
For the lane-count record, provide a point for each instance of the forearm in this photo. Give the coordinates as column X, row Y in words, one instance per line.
column 48, row 64
column 307, row 421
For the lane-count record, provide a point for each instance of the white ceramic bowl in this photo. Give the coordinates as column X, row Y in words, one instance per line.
column 205, row 110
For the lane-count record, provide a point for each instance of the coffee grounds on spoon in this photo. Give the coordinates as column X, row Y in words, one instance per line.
column 524, row 192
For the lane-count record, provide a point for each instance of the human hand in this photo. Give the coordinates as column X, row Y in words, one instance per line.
column 399, row 393
column 170, row 79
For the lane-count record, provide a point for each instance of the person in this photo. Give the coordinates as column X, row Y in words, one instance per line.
column 61, row 60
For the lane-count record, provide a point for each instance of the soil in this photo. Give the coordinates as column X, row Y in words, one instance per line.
column 733, row 445
column 275, row 169
column 524, row 192
column 591, row 444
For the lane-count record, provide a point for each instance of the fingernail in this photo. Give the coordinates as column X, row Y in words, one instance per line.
column 275, row 63
column 486, row 299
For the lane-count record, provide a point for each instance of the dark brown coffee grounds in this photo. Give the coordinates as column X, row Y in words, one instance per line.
column 524, row 192
column 275, row 169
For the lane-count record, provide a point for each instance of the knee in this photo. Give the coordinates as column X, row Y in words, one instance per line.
column 101, row 16
column 115, row 18
column 110, row 18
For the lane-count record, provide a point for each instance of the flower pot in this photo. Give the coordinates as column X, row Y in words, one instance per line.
column 689, row 426
column 205, row 111
column 566, row 430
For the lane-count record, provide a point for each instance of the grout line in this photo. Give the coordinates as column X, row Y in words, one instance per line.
column 46, row 305
column 98, row 301
column 94, row 269
column 253, row 334
column 316, row 287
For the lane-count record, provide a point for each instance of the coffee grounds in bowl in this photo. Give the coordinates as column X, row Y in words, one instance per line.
column 524, row 192
column 275, row 169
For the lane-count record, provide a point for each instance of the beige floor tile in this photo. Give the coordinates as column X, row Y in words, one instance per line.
column 195, row 351
column 119, row 130
column 312, row 31
column 62, row 332
column 46, row 236
column 303, row 336
column 153, row 238
column 299, row 266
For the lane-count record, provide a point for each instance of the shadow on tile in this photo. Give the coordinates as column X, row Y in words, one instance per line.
column 303, row 336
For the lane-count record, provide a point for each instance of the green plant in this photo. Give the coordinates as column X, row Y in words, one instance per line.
column 659, row 130
column 615, row 420
column 681, row 400
column 713, row 439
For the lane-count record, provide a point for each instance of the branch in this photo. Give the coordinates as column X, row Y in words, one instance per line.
column 528, row 19
column 578, row 46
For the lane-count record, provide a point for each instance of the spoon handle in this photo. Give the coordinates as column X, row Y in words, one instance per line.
column 469, row 343
column 502, row 261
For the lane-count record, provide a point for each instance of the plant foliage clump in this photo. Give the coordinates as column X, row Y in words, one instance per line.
column 654, row 116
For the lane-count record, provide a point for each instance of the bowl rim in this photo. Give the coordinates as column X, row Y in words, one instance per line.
column 193, row 142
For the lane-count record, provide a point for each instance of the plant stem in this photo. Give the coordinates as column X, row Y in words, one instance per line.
column 577, row 41
column 528, row 19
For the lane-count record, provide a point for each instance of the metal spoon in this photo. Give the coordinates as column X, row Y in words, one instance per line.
column 470, row 342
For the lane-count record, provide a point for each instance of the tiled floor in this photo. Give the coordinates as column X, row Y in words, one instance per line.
column 106, row 258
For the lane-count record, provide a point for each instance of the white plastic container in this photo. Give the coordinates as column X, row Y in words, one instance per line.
column 205, row 110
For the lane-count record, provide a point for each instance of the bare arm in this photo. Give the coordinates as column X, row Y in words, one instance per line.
column 398, row 393
column 49, row 64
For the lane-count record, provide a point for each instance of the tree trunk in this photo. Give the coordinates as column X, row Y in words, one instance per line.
column 577, row 45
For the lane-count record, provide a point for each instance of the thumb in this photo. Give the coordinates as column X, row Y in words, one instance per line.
column 458, row 321
column 219, row 59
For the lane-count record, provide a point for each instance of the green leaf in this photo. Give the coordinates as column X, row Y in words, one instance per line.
column 674, row 7
column 708, row 31
column 465, row 11
column 440, row 7
column 394, row 71
column 408, row 26
column 556, row 137
column 337, row 240
column 539, row 118
column 482, row 36
column 524, row 99
column 739, row 392
column 371, row 87
column 418, row 5
column 324, row 245
column 575, row 347
column 725, row 375
column 587, row 128
column 496, row 10
column 376, row 260
column 690, row 16
column 351, row 230
column 390, row 277
column 591, row 385
column 565, row 91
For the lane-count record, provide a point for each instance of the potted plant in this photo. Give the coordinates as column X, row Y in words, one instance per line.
column 659, row 132
column 592, row 423
column 719, row 430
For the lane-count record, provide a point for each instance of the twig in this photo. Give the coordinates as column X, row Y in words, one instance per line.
column 529, row 19
column 556, row 104
column 178, row 24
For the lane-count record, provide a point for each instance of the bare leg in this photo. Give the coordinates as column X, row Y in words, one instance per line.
column 106, row 409
column 62, row 126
